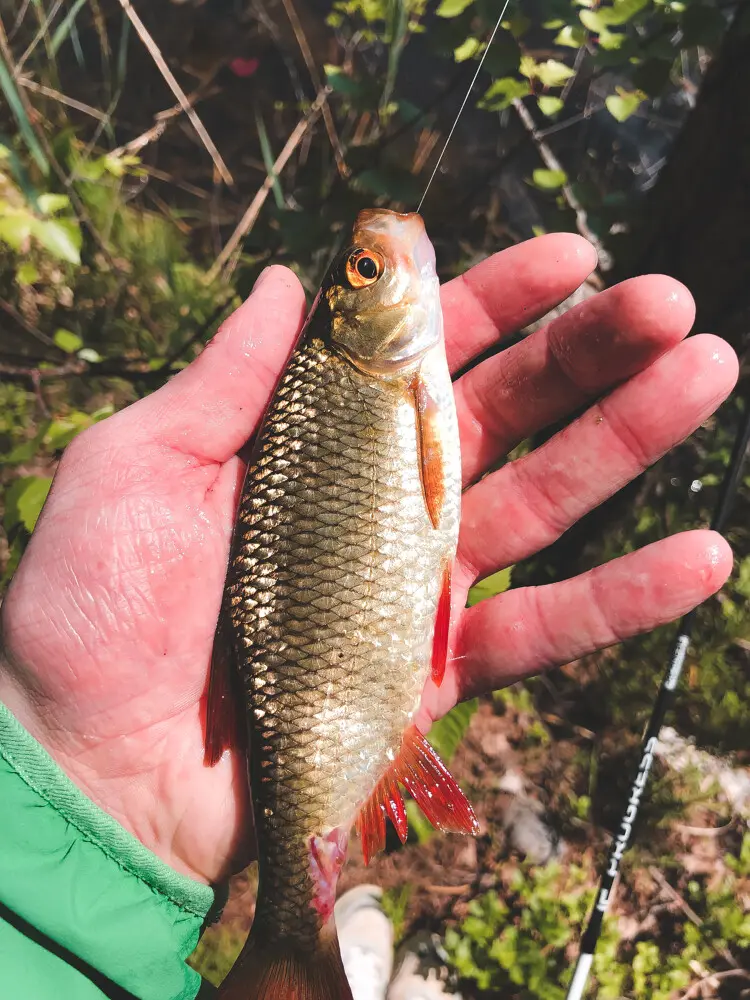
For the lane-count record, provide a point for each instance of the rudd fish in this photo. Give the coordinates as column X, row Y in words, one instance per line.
column 337, row 601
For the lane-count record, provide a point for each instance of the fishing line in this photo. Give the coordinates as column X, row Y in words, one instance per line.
column 729, row 486
column 463, row 105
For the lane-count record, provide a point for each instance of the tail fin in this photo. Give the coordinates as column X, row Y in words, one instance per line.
column 280, row 971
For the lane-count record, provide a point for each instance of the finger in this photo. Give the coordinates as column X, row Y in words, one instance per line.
column 524, row 631
column 557, row 369
column 212, row 407
column 510, row 290
column 528, row 504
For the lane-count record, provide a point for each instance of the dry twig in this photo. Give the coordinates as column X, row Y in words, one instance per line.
column 177, row 90
column 55, row 95
column 695, row 989
column 22, row 322
column 312, row 69
column 552, row 163
column 38, row 36
column 247, row 221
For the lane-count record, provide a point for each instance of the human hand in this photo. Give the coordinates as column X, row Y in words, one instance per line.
column 108, row 625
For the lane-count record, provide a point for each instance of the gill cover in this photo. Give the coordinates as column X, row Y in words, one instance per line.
column 383, row 294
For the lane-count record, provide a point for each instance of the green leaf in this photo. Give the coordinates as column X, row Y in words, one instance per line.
column 552, row 73
column 62, row 431
column 492, row 585
column 594, row 20
column 502, row 93
column 465, row 51
column 572, row 35
column 67, row 341
column 622, row 104
column 619, row 13
column 611, row 41
column 62, row 237
column 446, row 734
column 550, row 105
column 49, row 204
column 549, row 180
column 15, row 229
column 89, row 354
column 26, row 273
column 24, row 500
column 452, row 8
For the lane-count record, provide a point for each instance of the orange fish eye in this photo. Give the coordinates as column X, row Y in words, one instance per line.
column 363, row 268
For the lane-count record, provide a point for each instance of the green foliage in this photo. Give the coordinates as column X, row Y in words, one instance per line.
column 514, row 940
column 217, row 952
column 395, row 903
column 24, row 501
column 447, row 733
column 624, row 103
column 491, row 586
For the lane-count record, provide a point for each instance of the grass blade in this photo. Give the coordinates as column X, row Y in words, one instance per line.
column 268, row 160
column 67, row 26
column 8, row 87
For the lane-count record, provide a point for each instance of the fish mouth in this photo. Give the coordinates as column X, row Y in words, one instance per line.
column 406, row 229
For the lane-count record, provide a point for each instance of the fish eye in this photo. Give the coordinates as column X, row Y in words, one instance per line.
column 363, row 267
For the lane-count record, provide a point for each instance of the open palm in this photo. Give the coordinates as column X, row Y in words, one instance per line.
column 108, row 625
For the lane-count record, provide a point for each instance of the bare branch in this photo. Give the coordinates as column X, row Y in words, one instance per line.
column 552, row 163
column 312, row 69
column 55, row 95
column 25, row 325
column 247, row 221
column 177, row 90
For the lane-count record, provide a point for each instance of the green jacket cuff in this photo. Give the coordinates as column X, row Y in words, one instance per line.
column 86, row 911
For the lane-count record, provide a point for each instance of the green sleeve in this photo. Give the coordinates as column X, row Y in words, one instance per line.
column 86, row 911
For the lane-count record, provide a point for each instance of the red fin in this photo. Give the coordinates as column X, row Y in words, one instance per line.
column 394, row 806
column 442, row 628
column 430, row 450
column 432, row 786
column 419, row 769
column 371, row 822
column 277, row 970
column 222, row 722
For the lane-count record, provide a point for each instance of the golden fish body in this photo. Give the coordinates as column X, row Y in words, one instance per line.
column 340, row 553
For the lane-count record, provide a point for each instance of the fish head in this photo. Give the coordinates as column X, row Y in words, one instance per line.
column 383, row 295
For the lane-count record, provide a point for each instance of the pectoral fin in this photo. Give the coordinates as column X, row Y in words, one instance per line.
column 223, row 729
column 431, row 466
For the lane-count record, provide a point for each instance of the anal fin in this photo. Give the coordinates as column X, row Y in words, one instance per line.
column 223, row 730
column 429, row 782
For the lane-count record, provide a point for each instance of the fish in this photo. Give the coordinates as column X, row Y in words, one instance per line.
column 337, row 602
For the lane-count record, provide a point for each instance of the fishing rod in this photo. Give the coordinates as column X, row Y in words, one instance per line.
column 664, row 699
